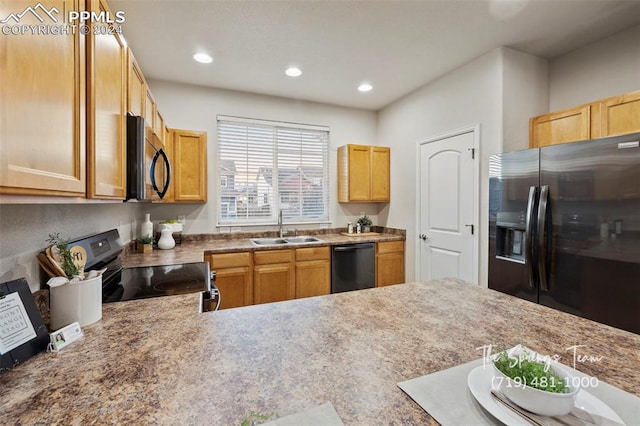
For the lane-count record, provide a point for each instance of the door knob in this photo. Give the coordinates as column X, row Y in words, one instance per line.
column 423, row 237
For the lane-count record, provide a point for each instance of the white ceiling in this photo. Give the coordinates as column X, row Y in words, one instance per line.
column 397, row 46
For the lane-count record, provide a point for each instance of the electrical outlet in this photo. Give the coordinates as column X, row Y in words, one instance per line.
column 324, row 226
column 236, row 229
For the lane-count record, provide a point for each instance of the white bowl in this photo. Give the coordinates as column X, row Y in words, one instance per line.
column 536, row 400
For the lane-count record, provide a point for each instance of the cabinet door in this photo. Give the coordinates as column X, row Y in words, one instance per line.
column 380, row 178
column 569, row 125
column 189, row 165
column 158, row 128
column 273, row 283
column 313, row 271
column 106, row 143
column 42, row 101
column 389, row 263
column 621, row 114
column 359, row 173
column 313, row 278
column 136, row 87
column 233, row 278
column 149, row 108
column 235, row 287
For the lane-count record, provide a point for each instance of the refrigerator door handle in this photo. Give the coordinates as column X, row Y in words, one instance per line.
column 528, row 243
column 542, row 253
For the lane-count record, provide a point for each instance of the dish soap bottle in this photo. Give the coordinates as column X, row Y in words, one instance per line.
column 166, row 240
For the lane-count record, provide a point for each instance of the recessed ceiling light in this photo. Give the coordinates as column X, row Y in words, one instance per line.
column 365, row 87
column 203, row 58
column 293, row 72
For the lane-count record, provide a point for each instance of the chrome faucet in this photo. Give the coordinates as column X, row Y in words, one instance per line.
column 282, row 233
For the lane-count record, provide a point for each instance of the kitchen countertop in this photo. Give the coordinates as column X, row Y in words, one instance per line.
column 194, row 248
column 157, row 361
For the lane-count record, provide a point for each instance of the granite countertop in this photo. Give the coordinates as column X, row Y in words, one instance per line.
column 157, row 361
column 194, row 247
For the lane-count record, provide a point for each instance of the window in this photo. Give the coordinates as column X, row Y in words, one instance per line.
column 249, row 151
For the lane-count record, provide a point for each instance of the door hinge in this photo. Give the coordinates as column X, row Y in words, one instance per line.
column 473, row 153
column 472, row 228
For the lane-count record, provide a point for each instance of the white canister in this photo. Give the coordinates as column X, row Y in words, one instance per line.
column 166, row 240
column 78, row 302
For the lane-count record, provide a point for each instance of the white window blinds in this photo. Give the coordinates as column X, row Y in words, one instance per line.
column 249, row 151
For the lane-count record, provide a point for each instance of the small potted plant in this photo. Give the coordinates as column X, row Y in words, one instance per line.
column 145, row 244
column 64, row 257
column 365, row 223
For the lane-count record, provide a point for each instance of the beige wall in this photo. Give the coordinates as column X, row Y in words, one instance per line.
column 24, row 230
column 605, row 68
column 463, row 98
column 499, row 91
column 194, row 107
column 525, row 93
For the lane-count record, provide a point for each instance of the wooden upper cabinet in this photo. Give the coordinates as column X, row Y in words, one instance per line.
column 363, row 173
column 569, row 125
column 136, row 87
column 149, row 109
column 620, row 115
column 158, row 125
column 188, row 157
column 106, row 124
column 42, row 103
column 381, row 176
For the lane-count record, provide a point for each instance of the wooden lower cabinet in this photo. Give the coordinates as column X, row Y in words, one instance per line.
column 273, row 276
column 233, row 278
column 389, row 263
column 313, row 271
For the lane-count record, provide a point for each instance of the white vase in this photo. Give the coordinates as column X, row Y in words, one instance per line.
column 166, row 240
column 146, row 228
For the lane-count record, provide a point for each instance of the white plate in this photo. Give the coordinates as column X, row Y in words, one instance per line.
column 480, row 385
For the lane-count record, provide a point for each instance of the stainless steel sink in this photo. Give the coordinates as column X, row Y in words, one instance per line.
column 290, row 240
column 302, row 239
column 268, row 241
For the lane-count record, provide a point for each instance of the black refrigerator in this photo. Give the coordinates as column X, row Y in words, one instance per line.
column 564, row 228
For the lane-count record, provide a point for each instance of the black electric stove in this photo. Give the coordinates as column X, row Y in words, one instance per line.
column 153, row 281
column 120, row 284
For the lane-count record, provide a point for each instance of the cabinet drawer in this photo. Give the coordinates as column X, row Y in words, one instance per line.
column 230, row 260
column 272, row 256
column 391, row 247
column 312, row 253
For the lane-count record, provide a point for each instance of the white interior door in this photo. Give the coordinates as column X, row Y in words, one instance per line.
column 447, row 217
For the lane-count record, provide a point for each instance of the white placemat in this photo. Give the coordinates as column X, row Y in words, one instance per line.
column 322, row 415
column 446, row 397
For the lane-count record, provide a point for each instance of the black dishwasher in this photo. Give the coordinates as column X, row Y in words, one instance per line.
column 353, row 267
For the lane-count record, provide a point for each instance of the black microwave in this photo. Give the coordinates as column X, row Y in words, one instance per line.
column 148, row 166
